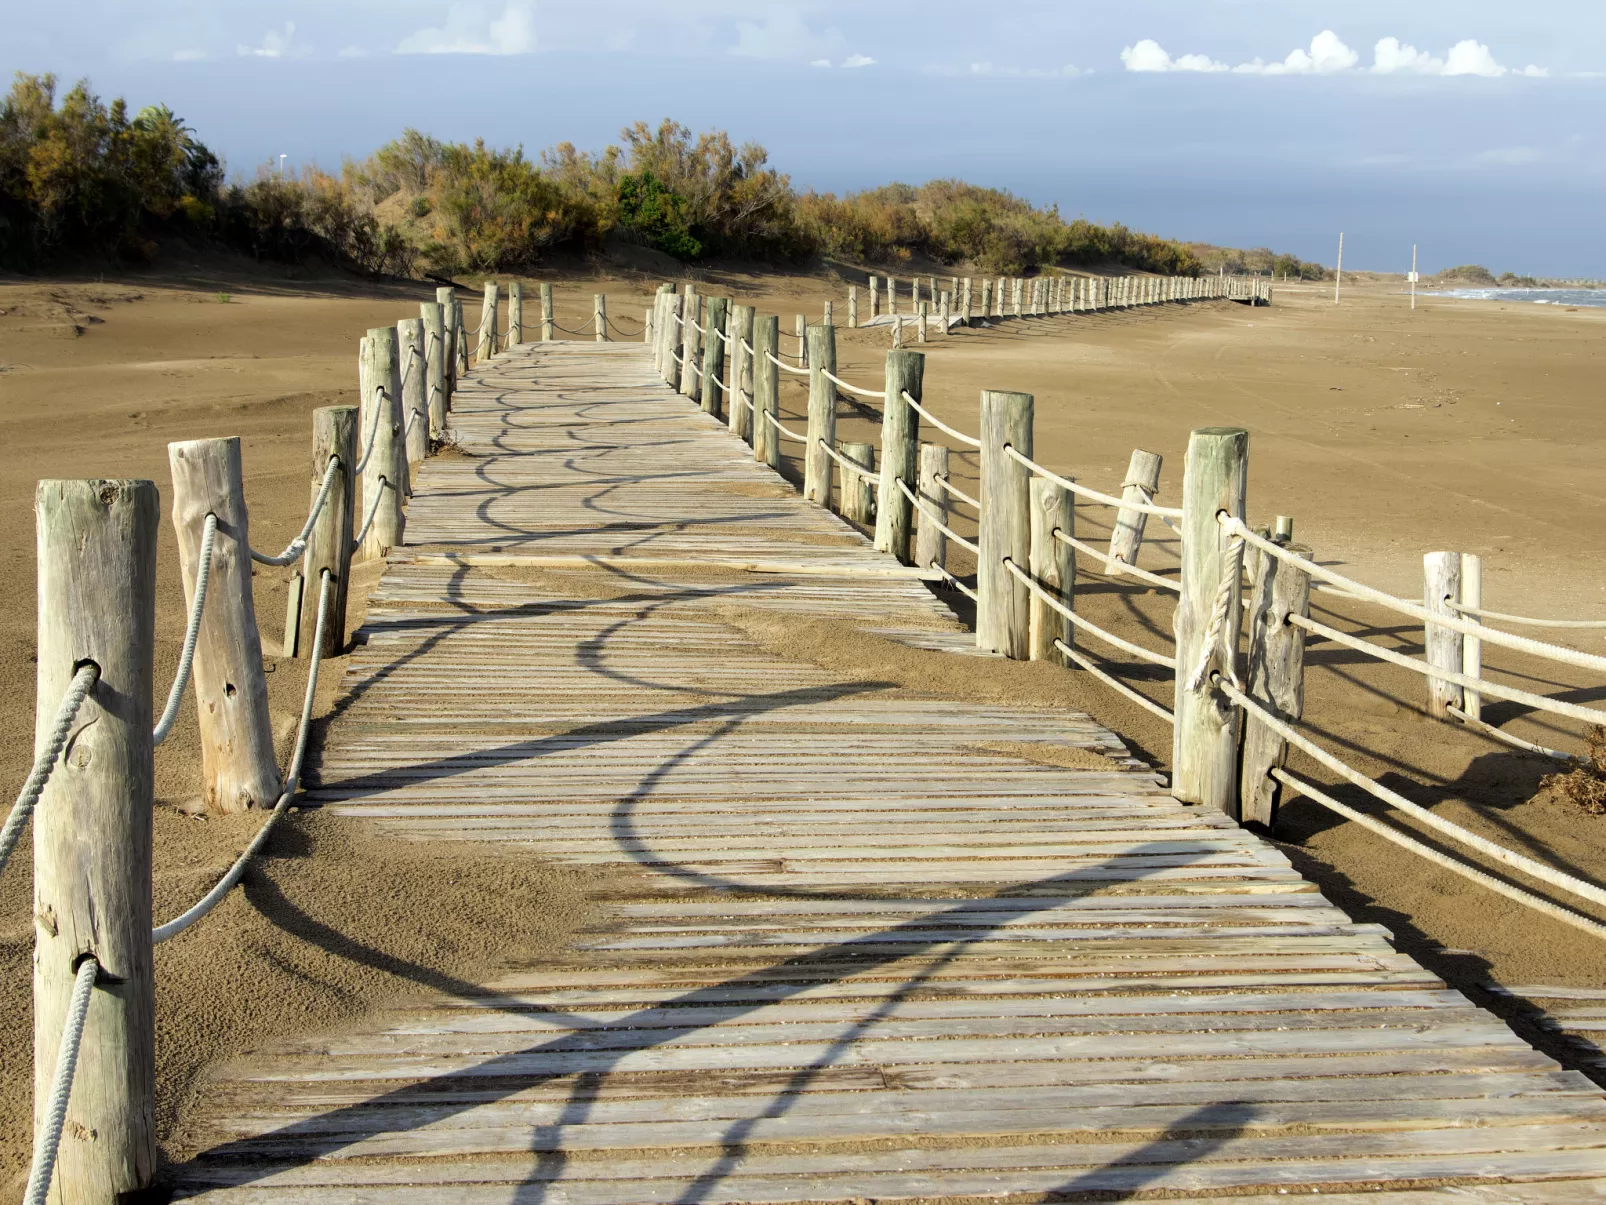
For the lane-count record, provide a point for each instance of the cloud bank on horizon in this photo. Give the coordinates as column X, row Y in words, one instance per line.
column 1328, row 55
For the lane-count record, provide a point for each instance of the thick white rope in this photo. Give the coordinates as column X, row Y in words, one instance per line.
column 802, row 372
column 698, row 327
column 1455, row 623
column 679, row 359
column 841, row 384
column 55, row 741
column 373, row 430
column 1524, row 620
column 1083, row 491
column 1115, row 566
column 48, row 1141
column 1219, row 611
column 292, row 783
column 726, row 339
column 748, row 348
column 948, row 487
column 384, row 484
column 1114, row 683
column 192, row 632
column 921, row 505
column 1482, row 686
column 955, row 582
column 851, row 466
column 936, row 422
column 786, row 431
column 1054, row 604
column 1520, row 862
column 1515, row 741
column 1566, row 915
column 294, row 550
column 407, row 368
column 722, row 387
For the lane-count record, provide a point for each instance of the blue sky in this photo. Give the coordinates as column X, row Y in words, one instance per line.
column 1471, row 128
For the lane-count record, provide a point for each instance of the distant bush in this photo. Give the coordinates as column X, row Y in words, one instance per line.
column 1260, row 261
column 1473, row 274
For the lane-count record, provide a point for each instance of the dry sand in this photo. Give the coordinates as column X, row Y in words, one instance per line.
column 1467, row 425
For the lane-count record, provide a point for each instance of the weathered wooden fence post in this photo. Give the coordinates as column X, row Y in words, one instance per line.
column 964, row 301
column 875, row 301
column 741, row 391
column 1053, row 564
column 334, row 436
column 1276, row 680
column 691, row 345
column 1441, row 574
column 434, row 317
column 766, row 389
column 1003, row 611
column 1142, row 480
column 459, row 344
column 920, row 322
column 487, row 345
column 599, row 316
column 414, row 395
column 515, row 313
column 384, row 476
column 900, row 453
column 669, row 337
column 1471, row 646
column 803, row 342
column 1204, row 748
column 546, row 312
column 897, row 330
column 892, row 295
column 92, row 831
column 238, row 769
column 714, row 354
column 931, row 545
column 825, row 314
column 446, row 298
column 858, row 499
column 853, row 307
column 821, row 343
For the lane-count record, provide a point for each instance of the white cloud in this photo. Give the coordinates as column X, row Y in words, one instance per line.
column 858, row 60
column 1471, row 58
column 275, row 45
column 468, row 31
column 1391, row 56
column 1327, row 55
column 1468, row 57
column 1149, row 55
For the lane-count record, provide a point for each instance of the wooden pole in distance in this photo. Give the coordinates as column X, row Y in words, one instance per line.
column 414, row 394
column 853, row 307
column 515, row 313
column 546, row 312
column 875, row 301
column 92, row 831
column 1003, row 610
column 599, row 316
column 1053, row 564
column 1472, row 646
column 766, row 389
column 487, row 345
column 1441, row 576
column 691, row 346
column 817, row 463
column 900, row 453
column 460, row 343
column 714, row 354
column 1338, row 281
column 238, row 769
column 1204, row 748
column 1276, row 680
column 384, row 473
column 803, row 342
column 434, row 316
column 858, row 499
column 743, row 318
column 446, row 298
column 1142, row 480
column 931, row 545
column 826, row 314
column 334, row 434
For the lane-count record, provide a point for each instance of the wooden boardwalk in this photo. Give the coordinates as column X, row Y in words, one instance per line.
column 864, row 950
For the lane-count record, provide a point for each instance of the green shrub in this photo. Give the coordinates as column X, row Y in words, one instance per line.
column 656, row 214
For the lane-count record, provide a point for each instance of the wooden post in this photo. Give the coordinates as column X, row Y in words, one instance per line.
column 669, row 338
column 897, row 330
column 998, row 297
column 964, row 300
column 1276, row 680
column 914, row 295
column 900, row 453
column 515, row 314
column 821, row 343
column 766, row 389
column 649, row 324
column 858, row 499
column 460, row 346
column 920, row 323
column 892, row 296
column 599, row 316
column 1471, row 646
column 92, row 830
column 875, row 301
column 238, row 770
column 691, row 346
column 546, row 312
column 853, row 307
column 435, row 346
column 803, row 342
column 986, row 297
column 414, row 395
column 334, row 434
column 1441, row 572
column 741, row 394
column 292, row 615
column 487, row 346
column 1142, row 480
column 1204, row 748
column 384, row 474
column 1053, row 564
column 1283, row 529
column 825, row 315
column 1003, row 611
column 714, row 354
column 931, row 545
column 1015, row 296
column 943, row 307
column 446, row 298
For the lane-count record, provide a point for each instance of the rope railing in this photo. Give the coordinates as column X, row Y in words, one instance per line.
column 802, row 372
column 586, row 327
column 851, row 466
column 1065, row 483
column 1514, row 741
column 948, row 487
column 968, row 441
column 56, row 740
column 373, row 509
column 1524, row 620
column 1110, row 638
column 47, row 1142
column 955, row 582
column 922, row 506
column 298, row 546
column 1114, row 565
column 1077, row 658
column 192, row 632
column 292, row 783
column 784, row 430
column 841, row 384
column 373, row 430
column 614, row 322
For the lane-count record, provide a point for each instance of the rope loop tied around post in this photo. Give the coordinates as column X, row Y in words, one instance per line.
column 45, row 763
column 192, row 632
column 298, row 546
column 967, row 440
column 1219, row 612
column 47, row 1142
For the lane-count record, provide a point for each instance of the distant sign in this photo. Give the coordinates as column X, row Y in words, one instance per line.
column 1412, row 278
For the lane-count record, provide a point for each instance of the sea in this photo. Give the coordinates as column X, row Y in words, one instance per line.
column 1589, row 297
